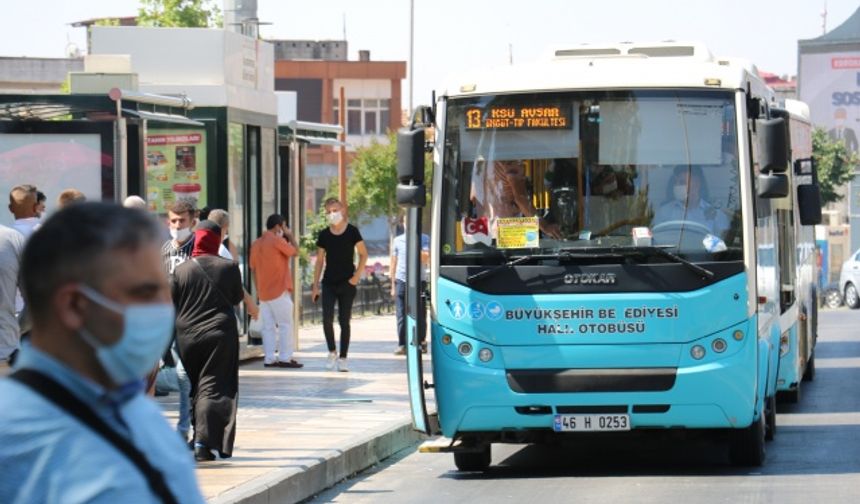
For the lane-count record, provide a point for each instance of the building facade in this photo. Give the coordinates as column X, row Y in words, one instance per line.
column 317, row 71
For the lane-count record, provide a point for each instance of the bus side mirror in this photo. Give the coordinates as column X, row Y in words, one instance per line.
column 809, row 204
column 772, row 185
column 772, row 145
column 410, row 168
column 410, row 155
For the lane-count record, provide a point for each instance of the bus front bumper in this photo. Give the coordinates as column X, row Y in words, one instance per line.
column 657, row 385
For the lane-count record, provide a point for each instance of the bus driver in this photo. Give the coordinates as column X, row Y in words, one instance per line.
column 687, row 197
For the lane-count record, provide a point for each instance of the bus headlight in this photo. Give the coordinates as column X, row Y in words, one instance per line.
column 465, row 348
column 697, row 352
column 719, row 345
column 485, row 354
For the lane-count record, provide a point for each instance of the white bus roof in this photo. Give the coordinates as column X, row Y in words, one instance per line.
column 614, row 66
column 797, row 108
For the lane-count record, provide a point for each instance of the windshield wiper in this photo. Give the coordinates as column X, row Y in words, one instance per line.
column 644, row 249
column 581, row 252
column 513, row 262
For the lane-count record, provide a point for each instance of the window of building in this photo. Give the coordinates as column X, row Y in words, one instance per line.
column 365, row 116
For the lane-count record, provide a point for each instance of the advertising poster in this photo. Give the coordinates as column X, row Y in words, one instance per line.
column 175, row 167
column 53, row 163
column 830, row 84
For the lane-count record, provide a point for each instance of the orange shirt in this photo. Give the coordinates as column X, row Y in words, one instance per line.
column 270, row 263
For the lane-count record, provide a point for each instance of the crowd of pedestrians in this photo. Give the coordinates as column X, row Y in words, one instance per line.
column 107, row 300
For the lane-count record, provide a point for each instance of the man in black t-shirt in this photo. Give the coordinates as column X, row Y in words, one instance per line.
column 336, row 248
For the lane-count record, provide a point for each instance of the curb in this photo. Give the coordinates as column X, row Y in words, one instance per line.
column 296, row 483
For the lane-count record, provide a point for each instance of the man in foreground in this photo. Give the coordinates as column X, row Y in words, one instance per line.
column 75, row 425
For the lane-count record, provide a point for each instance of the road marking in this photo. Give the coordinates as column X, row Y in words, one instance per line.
column 813, row 419
column 837, row 362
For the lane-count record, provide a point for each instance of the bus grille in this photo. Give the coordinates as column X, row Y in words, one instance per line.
column 542, row 381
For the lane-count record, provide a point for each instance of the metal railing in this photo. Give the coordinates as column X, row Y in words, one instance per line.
column 372, row 298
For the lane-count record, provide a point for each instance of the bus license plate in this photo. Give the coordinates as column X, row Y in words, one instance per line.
column 591, row 423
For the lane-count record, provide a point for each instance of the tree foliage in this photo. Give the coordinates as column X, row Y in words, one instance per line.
column 835, row 165
column 372, row 185
column 179, row 13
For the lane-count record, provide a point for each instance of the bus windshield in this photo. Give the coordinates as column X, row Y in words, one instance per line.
column 561, row 172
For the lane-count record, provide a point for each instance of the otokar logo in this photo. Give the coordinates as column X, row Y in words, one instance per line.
column 589, row 279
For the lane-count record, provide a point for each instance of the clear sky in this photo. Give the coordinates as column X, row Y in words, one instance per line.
column 452, row 35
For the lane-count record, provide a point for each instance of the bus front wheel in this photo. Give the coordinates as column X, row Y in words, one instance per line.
column 747, row 446
column 809, row 372
column 473, row 460
column 770, row 418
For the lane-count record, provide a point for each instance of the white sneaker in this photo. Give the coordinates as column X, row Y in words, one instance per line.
column 342, row 366
column 332, row 358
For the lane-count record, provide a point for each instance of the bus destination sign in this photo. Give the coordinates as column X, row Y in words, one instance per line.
column 519, row 117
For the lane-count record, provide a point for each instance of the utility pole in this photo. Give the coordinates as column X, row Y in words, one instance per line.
column 824, row 19
column 341, row 152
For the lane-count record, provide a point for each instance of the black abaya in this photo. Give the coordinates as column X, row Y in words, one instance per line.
column 204, row 294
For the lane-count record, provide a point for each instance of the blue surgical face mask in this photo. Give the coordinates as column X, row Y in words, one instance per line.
column 146, row 332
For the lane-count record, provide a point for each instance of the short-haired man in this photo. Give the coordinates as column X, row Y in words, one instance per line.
column 397, row 273
column 181, row 217
column 11, row 247
column 24, row 205
column 222, row 219
column 70, row 196
column 74, row 424
column 270, row 262
column 41, row 200
column 135, row 201
column 336, row 248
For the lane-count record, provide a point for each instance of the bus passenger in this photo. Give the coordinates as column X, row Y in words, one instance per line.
column 500, row 192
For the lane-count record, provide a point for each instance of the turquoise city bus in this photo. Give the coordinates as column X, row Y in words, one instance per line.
column 618, row 243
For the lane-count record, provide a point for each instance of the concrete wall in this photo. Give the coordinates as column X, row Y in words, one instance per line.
column 36, row 75
column 215, row 68
column 330, row 50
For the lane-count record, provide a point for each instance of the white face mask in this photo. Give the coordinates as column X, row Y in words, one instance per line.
column 335, row 218
column 180, row 235
column 680, row 192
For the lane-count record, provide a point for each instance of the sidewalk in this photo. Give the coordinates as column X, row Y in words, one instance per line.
column 301, row 431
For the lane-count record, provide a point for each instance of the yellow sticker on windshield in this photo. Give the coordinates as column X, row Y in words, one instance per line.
column 517, row 232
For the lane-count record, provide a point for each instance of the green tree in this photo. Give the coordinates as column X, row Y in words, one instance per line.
column 834, row 163
column 180, row 13
column 372, row 185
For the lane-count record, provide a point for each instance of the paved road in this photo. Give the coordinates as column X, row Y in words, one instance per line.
column 814, row 458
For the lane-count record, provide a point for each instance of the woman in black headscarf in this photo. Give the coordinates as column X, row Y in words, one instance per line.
column 205, row 291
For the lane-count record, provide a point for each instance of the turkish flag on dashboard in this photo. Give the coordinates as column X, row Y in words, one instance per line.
column 476, row 230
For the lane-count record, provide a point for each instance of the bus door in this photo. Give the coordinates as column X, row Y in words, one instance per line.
column 411, row 195
column 416, row 322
